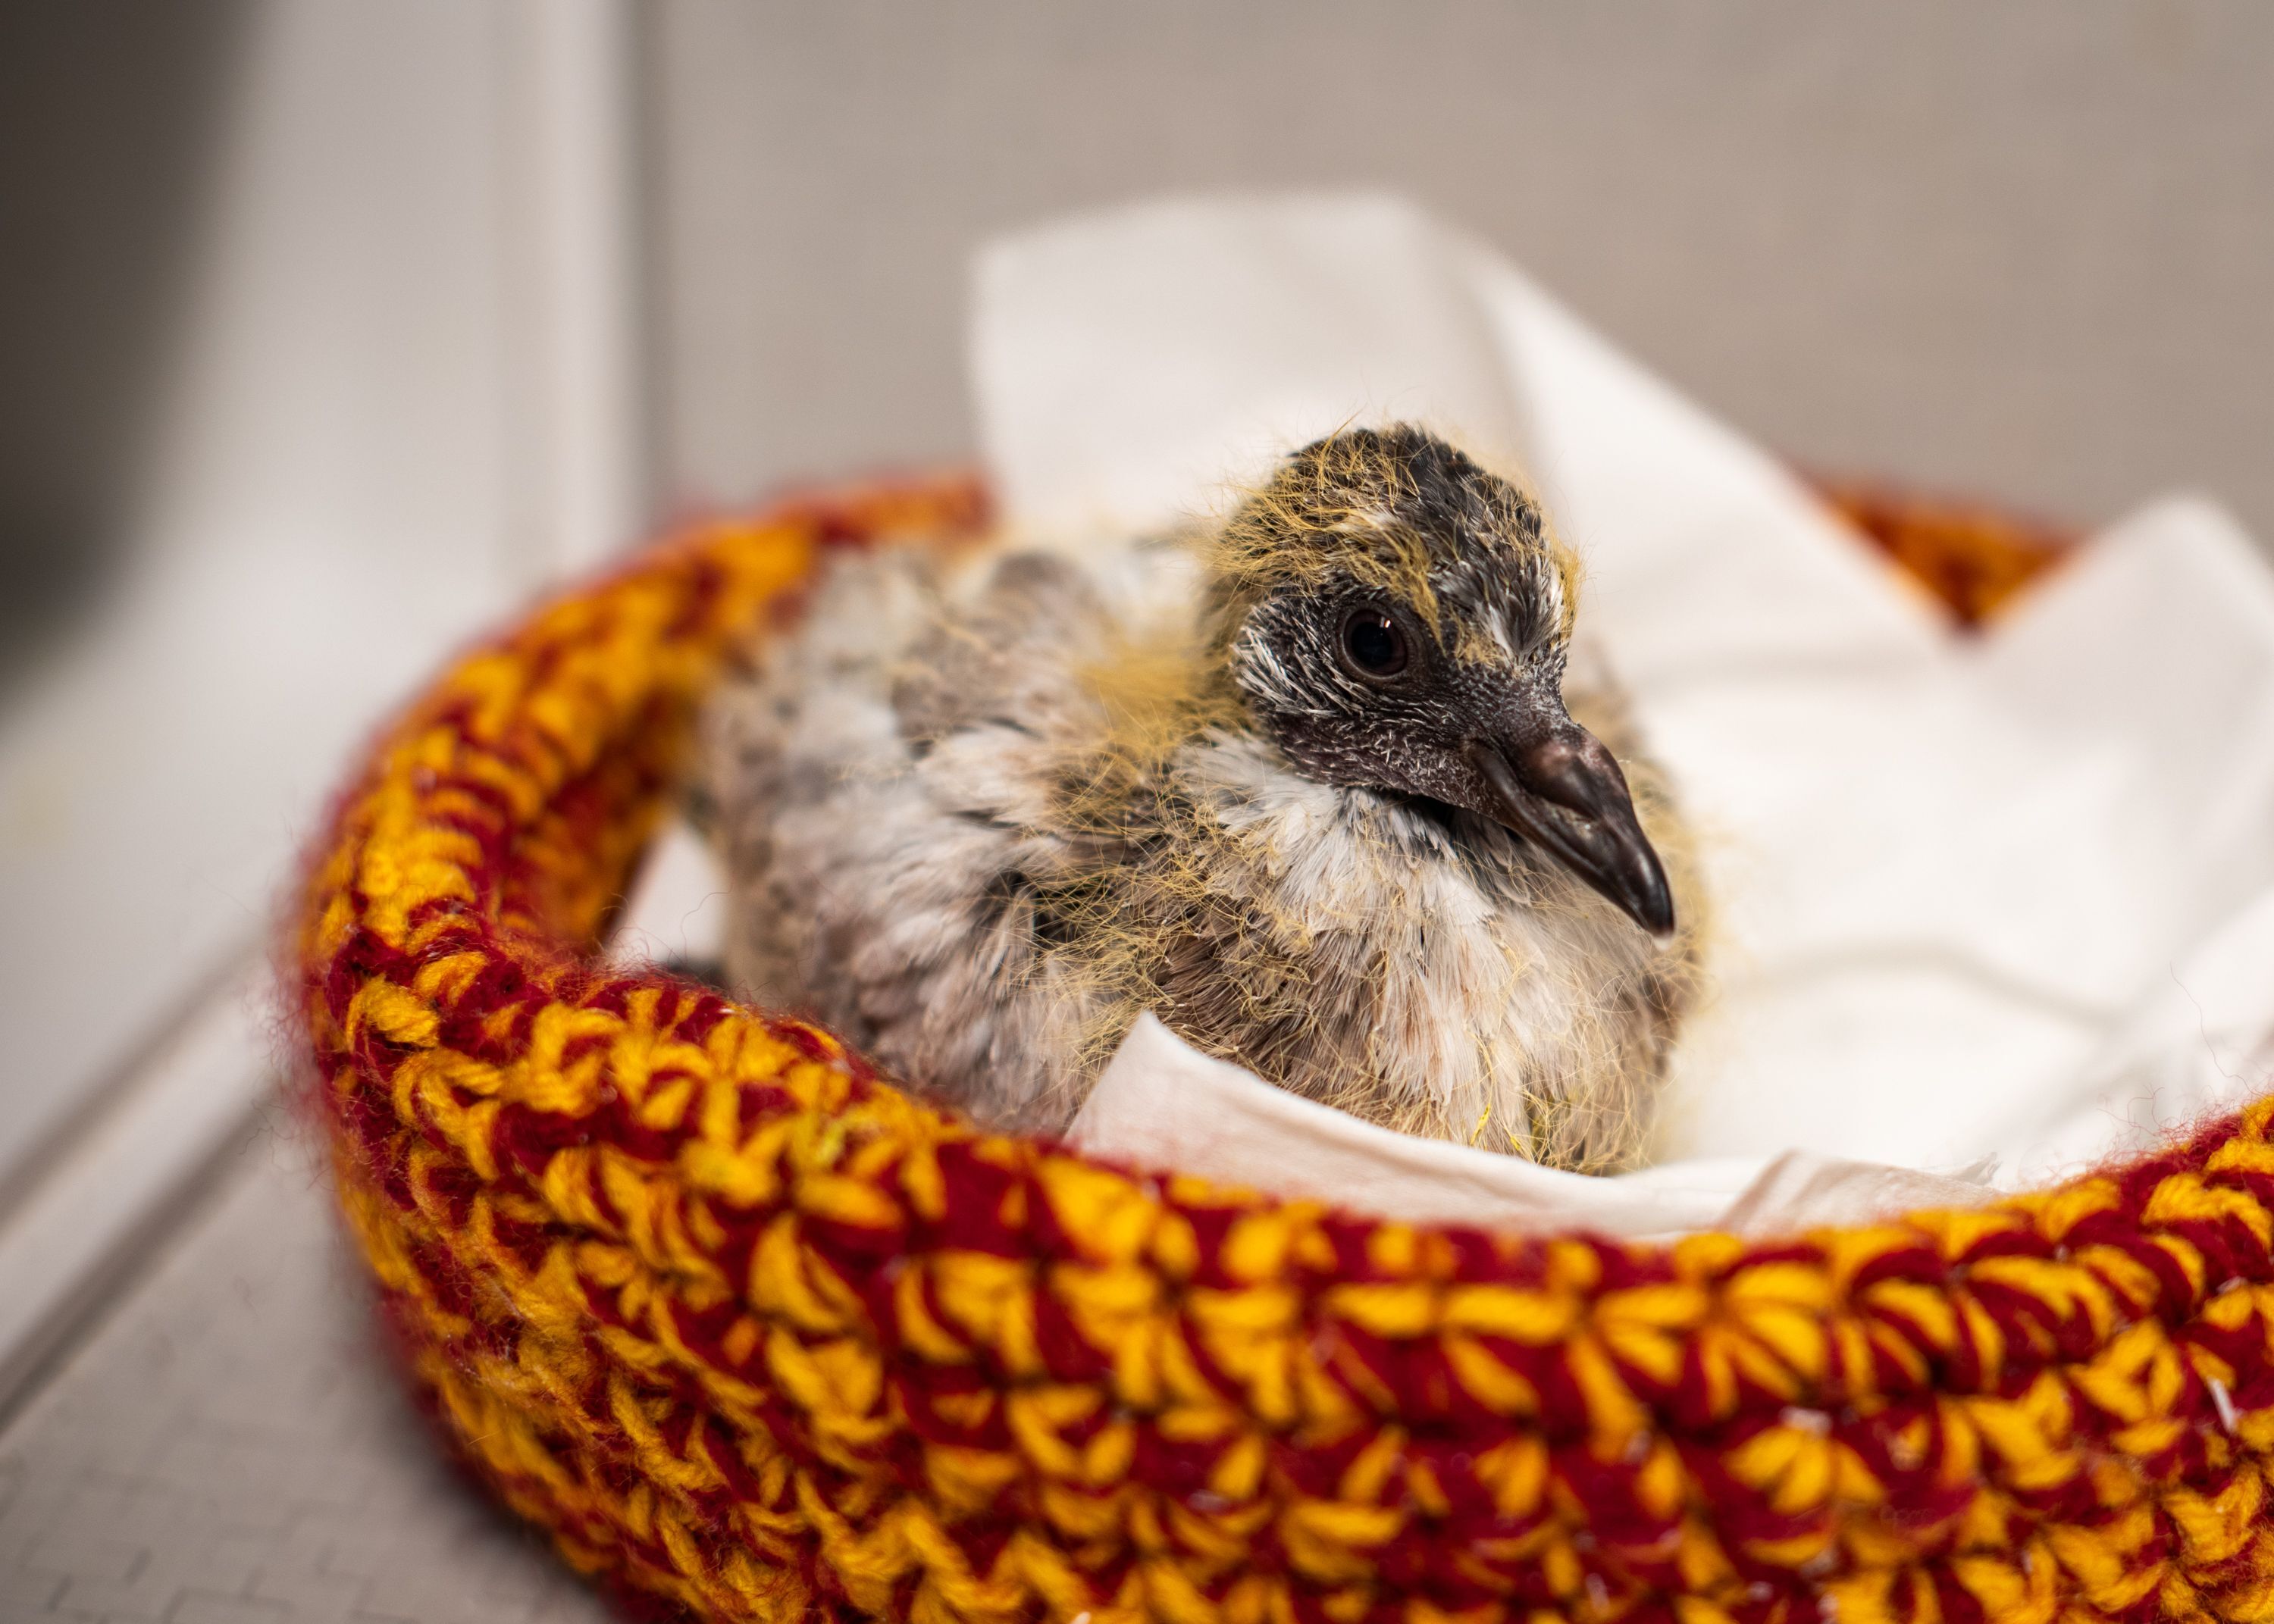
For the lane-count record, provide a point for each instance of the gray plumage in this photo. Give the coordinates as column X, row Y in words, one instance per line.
column 1302, row 783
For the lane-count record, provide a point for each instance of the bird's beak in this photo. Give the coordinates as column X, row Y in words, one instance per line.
column 1554, row 784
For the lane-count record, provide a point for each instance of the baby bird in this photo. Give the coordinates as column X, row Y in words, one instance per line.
column 1305, row 783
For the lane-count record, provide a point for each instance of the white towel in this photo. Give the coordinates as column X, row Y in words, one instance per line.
column 2001, row 901
column 1955, row 876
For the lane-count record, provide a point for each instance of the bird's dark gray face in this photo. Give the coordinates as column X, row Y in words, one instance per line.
column 1426, row 658
column 1360, row 693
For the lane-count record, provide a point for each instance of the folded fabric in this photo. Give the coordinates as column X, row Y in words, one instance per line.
column 1163, row 1104
column 1998, row 899
column 1947, row 870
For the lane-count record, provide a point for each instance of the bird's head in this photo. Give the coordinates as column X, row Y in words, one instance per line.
column 1398, row 618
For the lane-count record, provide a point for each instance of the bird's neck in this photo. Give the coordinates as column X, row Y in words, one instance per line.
column 1159, row 692
column 1158, row 688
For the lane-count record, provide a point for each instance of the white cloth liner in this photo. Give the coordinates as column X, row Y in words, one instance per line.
column 1163, row 1104
column 2008, row 897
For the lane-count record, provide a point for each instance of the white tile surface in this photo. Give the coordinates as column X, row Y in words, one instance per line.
column 230, row 1447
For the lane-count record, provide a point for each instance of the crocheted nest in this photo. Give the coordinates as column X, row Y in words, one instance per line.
column 754, row 1333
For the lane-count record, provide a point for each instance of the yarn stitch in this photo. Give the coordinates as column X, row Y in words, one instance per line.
column 756, row 1336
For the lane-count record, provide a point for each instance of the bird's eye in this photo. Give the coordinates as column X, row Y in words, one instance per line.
column 1375, row 643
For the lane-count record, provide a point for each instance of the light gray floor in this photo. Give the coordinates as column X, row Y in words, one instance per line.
column 228, row 1447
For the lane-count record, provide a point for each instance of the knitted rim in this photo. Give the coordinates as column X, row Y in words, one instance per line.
column 755, row 1335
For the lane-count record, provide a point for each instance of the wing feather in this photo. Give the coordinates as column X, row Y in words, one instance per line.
column 883, row 782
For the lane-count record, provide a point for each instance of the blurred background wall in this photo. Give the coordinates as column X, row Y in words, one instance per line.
column 331, row 327
column 108, row 120
column 322, row 336
column 2023, row 248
